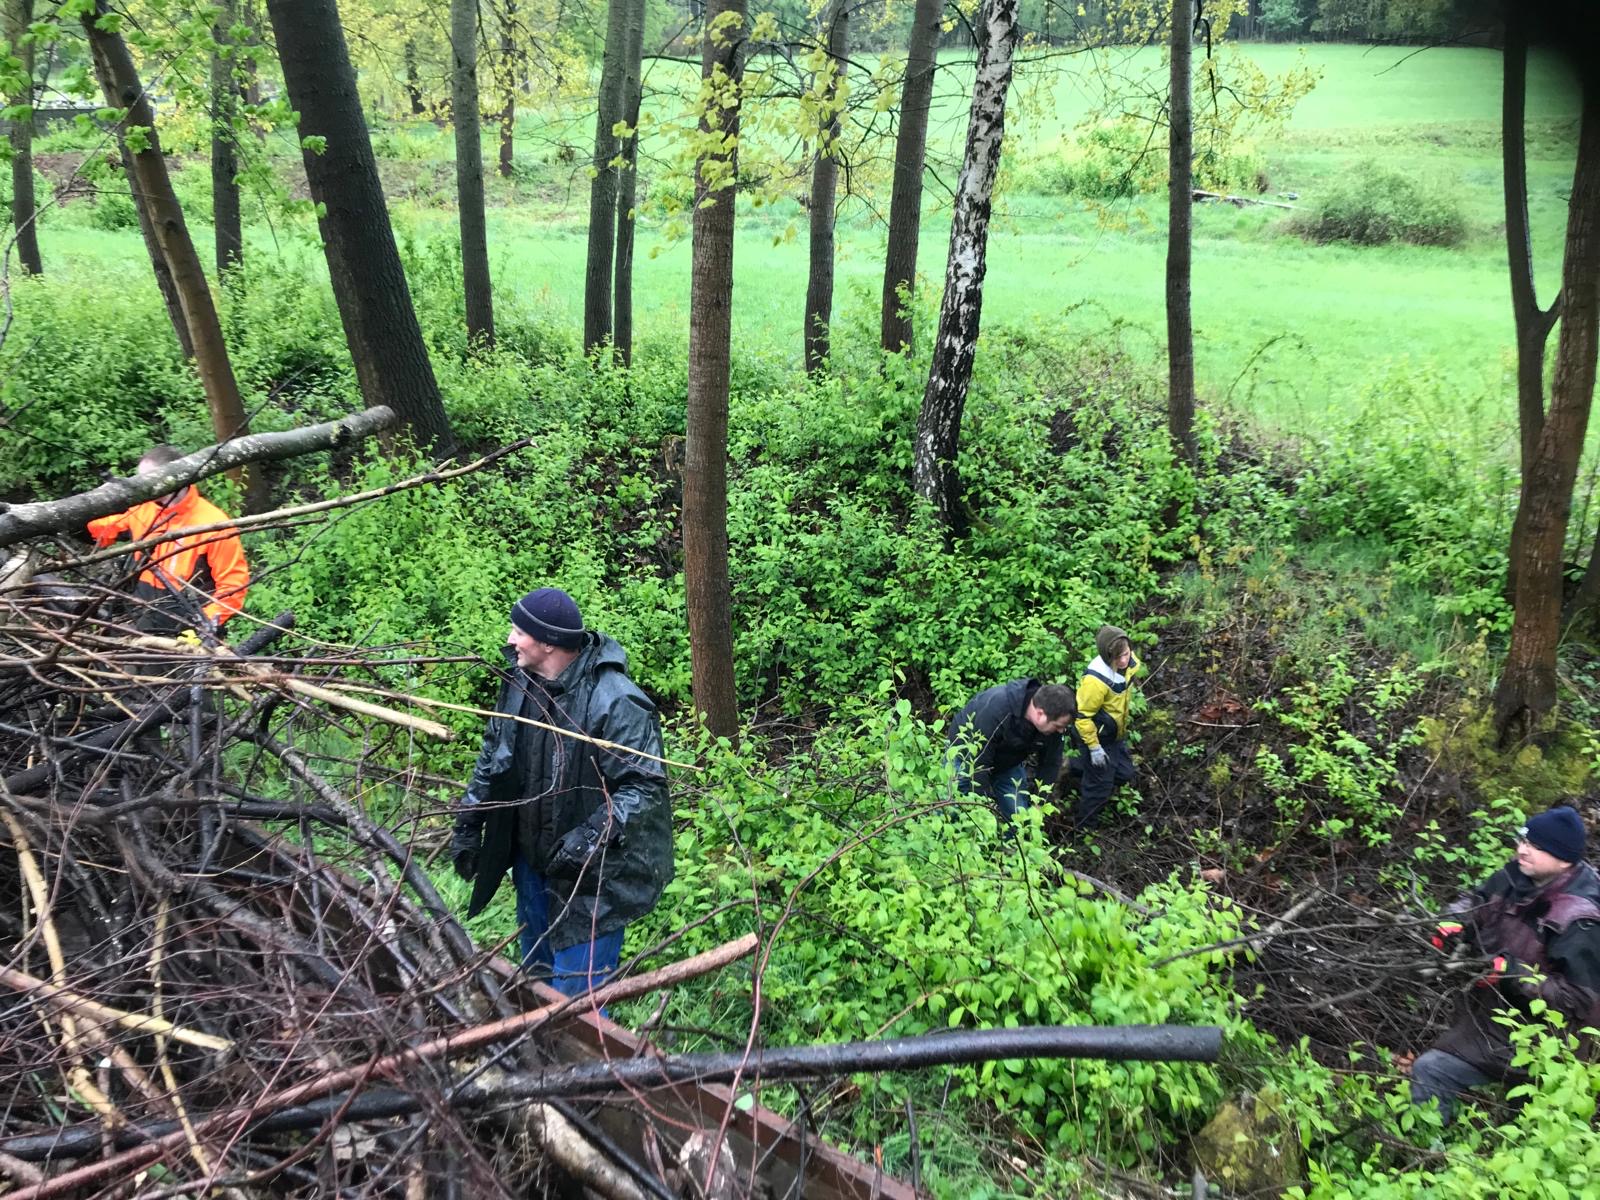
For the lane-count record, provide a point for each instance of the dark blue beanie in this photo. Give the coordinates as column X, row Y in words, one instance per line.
column 549, row 615
column 1558, row 832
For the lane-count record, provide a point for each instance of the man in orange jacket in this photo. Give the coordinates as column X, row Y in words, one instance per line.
column 187, row 580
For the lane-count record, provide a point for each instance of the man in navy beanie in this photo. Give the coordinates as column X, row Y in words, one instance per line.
column 1538, row 920
column 584, row 826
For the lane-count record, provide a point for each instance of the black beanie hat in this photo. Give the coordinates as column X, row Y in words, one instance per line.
column 1558, row 832
column 549, row 615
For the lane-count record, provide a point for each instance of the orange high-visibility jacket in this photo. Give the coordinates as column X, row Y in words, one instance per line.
column 211, row 563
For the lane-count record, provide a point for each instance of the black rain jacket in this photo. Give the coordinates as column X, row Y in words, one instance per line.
column 621, row 797
column 995, row 722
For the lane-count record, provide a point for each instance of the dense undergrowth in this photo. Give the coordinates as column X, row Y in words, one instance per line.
column 1343, row 594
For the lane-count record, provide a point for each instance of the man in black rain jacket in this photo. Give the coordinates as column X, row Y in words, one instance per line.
column 1000, row 728
column 585, row 828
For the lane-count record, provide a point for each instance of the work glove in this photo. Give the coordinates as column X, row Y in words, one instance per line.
column 1097, row 756
column 574, row 850
column 1447, row 933
column 465, row 843
column 1501, row 970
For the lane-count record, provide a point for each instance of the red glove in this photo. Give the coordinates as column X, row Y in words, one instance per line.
column 1447, row 932
column 1498, row 970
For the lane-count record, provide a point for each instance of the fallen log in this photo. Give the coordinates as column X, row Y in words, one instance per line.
column 1149, row 1043
column 21, row 521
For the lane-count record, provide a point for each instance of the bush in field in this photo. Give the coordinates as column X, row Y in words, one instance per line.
column 1116, row 160
column 1373, row 204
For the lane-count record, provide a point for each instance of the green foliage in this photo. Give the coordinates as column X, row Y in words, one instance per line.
column 1375, row 204
column 1117, row 160
column 1341, row 783
column 1546, row 1148
column 1440, row 495
column 894, row 907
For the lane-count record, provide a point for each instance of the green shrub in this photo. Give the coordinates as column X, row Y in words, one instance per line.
column 1373, row 204
column 1116, row 160
column 113, row 211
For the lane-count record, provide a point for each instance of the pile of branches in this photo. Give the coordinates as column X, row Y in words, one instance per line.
column 217, row 971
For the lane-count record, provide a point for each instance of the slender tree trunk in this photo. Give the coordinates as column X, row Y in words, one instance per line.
column 628, row 184
column 705, row 461
column 508, row 73
column 413, row 87
column 24, row 211
column 934, row 473
column 152, row 247
column 119, row 80
column 1527, row 687
column 910, row 155
column 469, row 171
column 824, row 183
column 1533, row 324
column 224, row 156
column 369, row 283
column 597, row 280
column 1180, row 237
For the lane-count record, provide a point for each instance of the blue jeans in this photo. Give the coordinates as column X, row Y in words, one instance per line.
column 1010, row 789
column 1438, row 1075
column 573, row 970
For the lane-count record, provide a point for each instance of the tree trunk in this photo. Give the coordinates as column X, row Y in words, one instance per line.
column 934, row 473
column 413, row 87
column 628, row 185
column 705, row 460
column 119, row 80
column 152, row 247
column 1533, row 324
column 597, row 280
column 1180, row 237
column 910, row 154
column 24, row 211
column 824, row 183
column 369, row 283
column 1527, row 687
column 508, row 73
column 224, row 157
column 469, row 171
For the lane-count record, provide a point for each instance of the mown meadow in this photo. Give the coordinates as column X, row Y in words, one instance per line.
column 1334, row 566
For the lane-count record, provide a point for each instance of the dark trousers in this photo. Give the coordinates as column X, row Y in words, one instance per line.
column 1100, row 783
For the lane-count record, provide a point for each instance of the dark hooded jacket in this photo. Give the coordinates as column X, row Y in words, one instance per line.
column 995, row 723
column 1553, row 931
column 530, row 788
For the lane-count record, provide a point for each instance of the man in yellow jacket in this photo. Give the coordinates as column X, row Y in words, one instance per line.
column 1102, row 727
column 189, row 580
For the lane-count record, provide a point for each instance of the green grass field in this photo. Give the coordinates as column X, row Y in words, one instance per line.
column 1286, row 330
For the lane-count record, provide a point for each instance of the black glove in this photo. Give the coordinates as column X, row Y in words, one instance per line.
column 573, row 852
column 465, row 843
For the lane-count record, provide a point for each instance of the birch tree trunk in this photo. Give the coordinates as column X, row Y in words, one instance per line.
column 1527, row 689
column 369, row 284
column 910, row 156
column 469, row 171
column 824, row 184
column 934, row 474
column 628, row 185
column 1180, row 236
column 24, row 210
column 705, row 460
column 597, row 281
